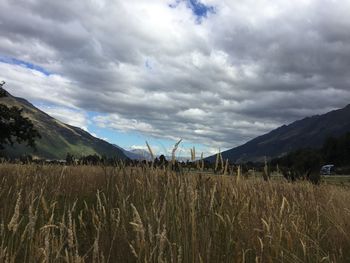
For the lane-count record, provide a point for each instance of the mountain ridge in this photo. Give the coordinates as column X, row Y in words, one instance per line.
column 307, row 132
column 58, row 138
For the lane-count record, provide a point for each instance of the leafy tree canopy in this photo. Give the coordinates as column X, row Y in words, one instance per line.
column 13, row 126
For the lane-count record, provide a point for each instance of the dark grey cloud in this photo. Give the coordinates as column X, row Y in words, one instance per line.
column 244, row 70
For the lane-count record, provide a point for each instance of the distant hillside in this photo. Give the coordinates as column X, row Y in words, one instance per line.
column 140, row 154
column 136, row 154
column 309, row 132
column 58, row 138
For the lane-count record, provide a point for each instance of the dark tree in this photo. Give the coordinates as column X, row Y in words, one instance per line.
column 70, row 159
column 301, row 164
column 90, row 159
column 13, row 126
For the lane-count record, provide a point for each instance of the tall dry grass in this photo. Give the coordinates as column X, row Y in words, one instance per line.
column 135, row 214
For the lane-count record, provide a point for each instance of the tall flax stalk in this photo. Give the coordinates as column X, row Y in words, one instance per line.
column 239, row 171
column 202, row 162
column 151, row 153
column 226, row 167
column 266, row 172
column 222, row 164
column 193, row 154
column 173, row 158
column 216, row 162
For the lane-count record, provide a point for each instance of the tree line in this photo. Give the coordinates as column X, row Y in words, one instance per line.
column 307, row 162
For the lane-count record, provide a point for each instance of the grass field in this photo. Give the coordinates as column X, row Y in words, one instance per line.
column 138, row 214
column 342, row 180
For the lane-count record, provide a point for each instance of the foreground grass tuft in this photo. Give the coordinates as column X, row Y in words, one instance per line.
column 106, row 214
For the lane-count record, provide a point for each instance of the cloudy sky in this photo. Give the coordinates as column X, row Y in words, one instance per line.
column 213, row 72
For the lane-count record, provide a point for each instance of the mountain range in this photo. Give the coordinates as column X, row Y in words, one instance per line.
column 309, row 132
column 58, row 138
column 136, row 154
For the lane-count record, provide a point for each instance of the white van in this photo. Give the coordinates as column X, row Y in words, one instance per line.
column 327, row 169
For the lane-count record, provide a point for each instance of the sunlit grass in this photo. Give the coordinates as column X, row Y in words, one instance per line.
column 137, row 214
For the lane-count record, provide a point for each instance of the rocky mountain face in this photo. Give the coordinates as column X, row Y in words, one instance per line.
column 308, row 132
column 58, row 138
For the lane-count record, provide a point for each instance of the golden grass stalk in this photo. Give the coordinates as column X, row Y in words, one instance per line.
column 226, row 167
column 217, row 161
column 173, row 159
column 151, row 153
column 13, row 225
column 138, row 227
column 266, row 172
column 193, row 154
column 202, row 162
column 150, row 150
column 221, row 161
column 239, row 171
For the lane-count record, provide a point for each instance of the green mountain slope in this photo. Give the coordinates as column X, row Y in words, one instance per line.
column 58, row 138
column 309, row 132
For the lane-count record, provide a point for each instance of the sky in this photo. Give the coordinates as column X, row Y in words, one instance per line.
column 214, row 73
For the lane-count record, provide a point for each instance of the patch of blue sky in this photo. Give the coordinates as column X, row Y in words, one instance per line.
column 25, row 64
column 130, row 139
column 199, row 9
column 121, row 138
column 148, row 64
column 42, row 104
